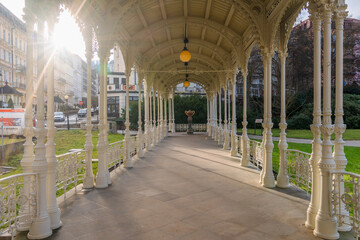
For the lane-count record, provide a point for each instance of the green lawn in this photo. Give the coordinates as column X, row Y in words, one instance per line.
column 11, row 140
column 350, row 134
column 352, row 155
column 73, row 139
column 66, row 140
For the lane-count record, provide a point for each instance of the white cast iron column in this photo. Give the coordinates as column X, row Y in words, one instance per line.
column 40, row 226
column 245, row 139
column 283, row 178
column 160, row 122
column 173, row 113
column 158, row 119
column 147, row 122
column 220, row 132
column 52, row 206
column 226, row 132
column 89, row 176
column 166, row 117
column 265, row 116
column 208, row 115
column 106, row 129
column 340, row 127
column 233, row 122
column 170, row 114
column 139, row 138
column 214, row 117
column 101, row 176
column 315, row 127
column 326, row 225
column 268, row 179
column 128, row 159
column 216, row 120
column 229, row 115
column 151, row 127
column 28, row 157
column 155, row 138
column 162, row 116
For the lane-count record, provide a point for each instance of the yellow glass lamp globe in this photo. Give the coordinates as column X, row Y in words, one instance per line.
column 186, row 83
column 185, row 55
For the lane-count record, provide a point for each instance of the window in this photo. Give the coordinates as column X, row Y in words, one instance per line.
column 9, row 39
column 21, row 45
column 9, row 57
column 16, row 45
column 116, row 82
column 123, row 81
column 113, row 106
column 4, row 35
column 133, row 98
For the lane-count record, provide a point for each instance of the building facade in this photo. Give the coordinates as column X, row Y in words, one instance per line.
column 12, row 54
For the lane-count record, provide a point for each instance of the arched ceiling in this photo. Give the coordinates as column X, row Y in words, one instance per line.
column 150, row 33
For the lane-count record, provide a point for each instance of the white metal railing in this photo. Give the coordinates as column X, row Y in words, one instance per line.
column 132, row 146
column 70, row 171
column 197, row 127
column 115, row 155
column 239, row 142
column 18, row 202
column 298, row 167
column 256, row 153
column 345, row 199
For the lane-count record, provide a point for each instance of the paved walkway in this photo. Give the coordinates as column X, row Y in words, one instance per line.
column 348, row 143
column 186, row 188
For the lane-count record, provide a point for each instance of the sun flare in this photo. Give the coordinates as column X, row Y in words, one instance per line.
column 67, row 34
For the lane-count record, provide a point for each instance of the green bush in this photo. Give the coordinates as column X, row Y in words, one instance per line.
column 194, row 102
column 300, row 121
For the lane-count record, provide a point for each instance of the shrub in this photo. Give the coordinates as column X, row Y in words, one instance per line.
column 300, row 121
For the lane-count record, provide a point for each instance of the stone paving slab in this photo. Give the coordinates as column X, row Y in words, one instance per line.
column 186, row 188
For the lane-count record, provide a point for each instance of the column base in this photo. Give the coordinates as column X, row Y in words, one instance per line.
column 128, row 163
column 108, row 177
column 55, row 221
column 233, row 152
column 88, row 183
column 326, row 227
column 311, row 217
column 282, row 181
column 345, row 228
column 24, row 223
column 245, row 163
column 140, row 154
column 268, row 181
column 40, row 228
column 101, row 181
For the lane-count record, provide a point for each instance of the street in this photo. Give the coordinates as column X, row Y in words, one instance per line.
column 73, row 119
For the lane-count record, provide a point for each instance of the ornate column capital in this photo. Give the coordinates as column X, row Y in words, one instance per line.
column 326, row 13
column 339, row 15
column 266, row 54
column 283, row 54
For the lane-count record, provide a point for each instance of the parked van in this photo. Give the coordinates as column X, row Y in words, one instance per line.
column 13, row 121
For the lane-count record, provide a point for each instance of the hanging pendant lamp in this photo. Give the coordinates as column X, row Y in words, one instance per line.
column 186, row 83
column 185, row 55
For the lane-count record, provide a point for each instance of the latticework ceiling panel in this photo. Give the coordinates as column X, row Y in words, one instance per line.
column 153, row 30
